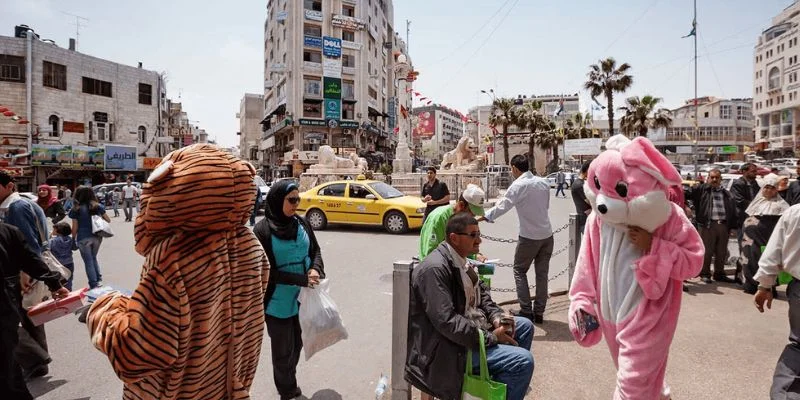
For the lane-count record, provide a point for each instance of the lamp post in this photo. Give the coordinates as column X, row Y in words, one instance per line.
column 492, row 97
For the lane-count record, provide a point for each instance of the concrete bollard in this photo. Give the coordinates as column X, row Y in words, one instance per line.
column 574, row 246
column 401, row 292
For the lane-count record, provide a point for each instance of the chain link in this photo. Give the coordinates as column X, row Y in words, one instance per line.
column 555, row 253
column 501, row 240
column 507, row 290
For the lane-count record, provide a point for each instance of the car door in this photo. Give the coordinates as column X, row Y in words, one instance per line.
column 359, row 208
column 331, row 201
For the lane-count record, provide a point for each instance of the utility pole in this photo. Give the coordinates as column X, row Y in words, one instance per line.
column 696, row 104
column 408, row 31
column 78, row 19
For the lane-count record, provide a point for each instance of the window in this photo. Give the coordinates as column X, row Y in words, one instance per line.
column 312, row 56
column 111, row 135
column 142, row 131
column 312, row 109
column 369, row 68
column 373, row 93
column 348, row 90
column 315, row 5
column 348, row 61
column 774, row 78
column 12, row 68
column 705, row 115
column 145, row 94
column 358, row 191
column 348, row 36
column 313, row 86
column 349, row 11
column 101, row 131
column 348, row 111
column 55, row 124
column 97, row 87
column 312, row 30
column 54, row 75
column 335, row 189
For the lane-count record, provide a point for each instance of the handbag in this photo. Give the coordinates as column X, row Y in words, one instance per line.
column 101, row 227
column 480, row 387
column 39, row 291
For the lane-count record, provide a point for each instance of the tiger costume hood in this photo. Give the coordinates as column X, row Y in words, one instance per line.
column 193, row 326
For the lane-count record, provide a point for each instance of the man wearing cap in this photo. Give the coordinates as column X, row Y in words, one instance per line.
column 530, row 195
column 433, row 229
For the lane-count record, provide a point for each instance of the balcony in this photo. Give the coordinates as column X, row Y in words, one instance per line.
column 312, row 67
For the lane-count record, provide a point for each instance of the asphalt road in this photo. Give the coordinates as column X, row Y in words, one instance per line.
column 723, row 348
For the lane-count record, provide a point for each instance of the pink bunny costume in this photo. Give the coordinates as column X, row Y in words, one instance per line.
column 635, row 295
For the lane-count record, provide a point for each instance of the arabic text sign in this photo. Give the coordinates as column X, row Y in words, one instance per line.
column 120, row 158
column 582, row 147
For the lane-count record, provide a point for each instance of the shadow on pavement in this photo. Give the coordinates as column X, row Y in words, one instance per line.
column 554, row 331
column 699, row 287
column 324, row 394
column 42, row 386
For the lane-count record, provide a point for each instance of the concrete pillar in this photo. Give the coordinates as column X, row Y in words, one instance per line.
column 401, row 293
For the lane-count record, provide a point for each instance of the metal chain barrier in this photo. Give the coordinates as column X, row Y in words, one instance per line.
column 506, row 290
column 555, row 253
column 501, row 240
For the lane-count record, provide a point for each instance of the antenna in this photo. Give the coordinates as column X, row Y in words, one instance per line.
column 408, row 30
column 78, row 19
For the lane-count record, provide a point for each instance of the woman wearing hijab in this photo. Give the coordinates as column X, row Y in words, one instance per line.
column 762, row 216
column 296, row 261
column 48, row 200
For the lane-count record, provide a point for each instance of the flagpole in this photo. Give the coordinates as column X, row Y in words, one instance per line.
column 696, row 111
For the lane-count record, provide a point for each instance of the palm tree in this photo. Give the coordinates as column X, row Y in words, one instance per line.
column 605, row 78
column 505, row 114
column 642, row 114
column 549, row 138
column 577, row 127
column 536, row 121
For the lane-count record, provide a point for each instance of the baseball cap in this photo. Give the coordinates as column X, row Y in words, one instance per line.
column 475, row 198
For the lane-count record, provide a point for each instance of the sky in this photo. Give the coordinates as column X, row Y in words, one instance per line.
column 212, row 52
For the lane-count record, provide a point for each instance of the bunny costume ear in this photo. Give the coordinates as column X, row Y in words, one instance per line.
column 641, row 153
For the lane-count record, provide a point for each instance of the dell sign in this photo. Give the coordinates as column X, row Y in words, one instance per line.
column 331, row 46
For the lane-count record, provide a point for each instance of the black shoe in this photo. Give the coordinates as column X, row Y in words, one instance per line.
column 538, row 319
column 525, row 314
column 707, row 280
column 36, row 372
column 685, row 288
column 297, row 393
column 724, row 279
column 774, row 292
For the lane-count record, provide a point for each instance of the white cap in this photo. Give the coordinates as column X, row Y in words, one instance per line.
column 475, row 197
column 770, row 180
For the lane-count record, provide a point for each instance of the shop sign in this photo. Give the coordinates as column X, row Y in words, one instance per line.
column 120, row 158
column 351, row 23
column 314, row 15
column 348, row 124
column 333, row 109
column 57, row 155
column 331, row 47
column 312, row 41
column 332, row 88
column 74, row 127
column 311, row 122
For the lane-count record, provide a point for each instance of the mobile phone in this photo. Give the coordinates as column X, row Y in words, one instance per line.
column 589, row 322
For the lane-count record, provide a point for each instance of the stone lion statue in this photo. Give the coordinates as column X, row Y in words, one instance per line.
column 462, row 155
column 359, row 162
column 328, row 158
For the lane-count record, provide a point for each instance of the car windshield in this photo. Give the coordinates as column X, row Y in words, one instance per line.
column 385, row 191
column 260, row 182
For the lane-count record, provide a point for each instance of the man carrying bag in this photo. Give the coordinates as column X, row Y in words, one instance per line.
column 450, row 313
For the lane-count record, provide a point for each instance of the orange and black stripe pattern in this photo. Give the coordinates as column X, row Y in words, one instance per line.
column 193, row 327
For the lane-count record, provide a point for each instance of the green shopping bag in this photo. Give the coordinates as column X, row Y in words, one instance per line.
column 481, row 387
column 784, row 278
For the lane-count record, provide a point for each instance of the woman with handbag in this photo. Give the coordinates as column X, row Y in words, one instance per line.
column 296, row 260
column 86, row 206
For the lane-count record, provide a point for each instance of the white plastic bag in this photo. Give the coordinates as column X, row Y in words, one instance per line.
column 101, row 227
column 319, row 319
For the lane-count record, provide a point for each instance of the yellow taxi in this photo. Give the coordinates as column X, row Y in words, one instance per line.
column 361, row 202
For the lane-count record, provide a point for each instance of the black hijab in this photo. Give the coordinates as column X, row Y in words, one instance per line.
column 285, row 228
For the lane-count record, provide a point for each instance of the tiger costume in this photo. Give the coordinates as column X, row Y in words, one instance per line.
column 193, row 327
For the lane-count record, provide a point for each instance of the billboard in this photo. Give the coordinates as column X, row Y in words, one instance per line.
column 332, row 67
column 87, row 156
column 57, row 155
column 120, row 158
column 331, row 47
column 426, row 125
column 312, row 41
column 582, row 147
column 333, row 109
column 331, row 88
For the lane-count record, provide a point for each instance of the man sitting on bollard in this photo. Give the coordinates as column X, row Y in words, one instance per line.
column 433, row 229
column 448, row 306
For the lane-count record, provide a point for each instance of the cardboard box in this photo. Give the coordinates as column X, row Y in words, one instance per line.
column 52, row 309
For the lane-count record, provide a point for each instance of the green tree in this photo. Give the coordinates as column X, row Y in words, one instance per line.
column 641, row 114
column 605, row 79
column 543, row 131
column 505, row 113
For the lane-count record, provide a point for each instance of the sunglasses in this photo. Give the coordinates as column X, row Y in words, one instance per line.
column 471, row 234
column 293, row 200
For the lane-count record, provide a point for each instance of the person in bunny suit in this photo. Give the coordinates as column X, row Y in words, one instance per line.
column 637, row 249
column 193, row 327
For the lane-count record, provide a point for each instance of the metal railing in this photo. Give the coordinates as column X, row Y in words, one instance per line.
column 401, row 293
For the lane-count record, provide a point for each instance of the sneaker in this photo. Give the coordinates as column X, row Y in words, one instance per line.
column 724, row 279
column 707, row 280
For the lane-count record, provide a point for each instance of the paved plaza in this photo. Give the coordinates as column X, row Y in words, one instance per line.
column 723, row 349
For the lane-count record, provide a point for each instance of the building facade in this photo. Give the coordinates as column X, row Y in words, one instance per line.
column 438, row 130
column 75, row 100
column 251, row 112
column 328, row 80
column 776, row 86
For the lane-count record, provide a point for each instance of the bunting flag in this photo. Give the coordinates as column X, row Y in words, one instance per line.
column 694, row 30
column 560, row 108
column 403, row 111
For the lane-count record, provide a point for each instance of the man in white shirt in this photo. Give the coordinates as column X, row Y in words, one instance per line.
column 530, row 194
column 783, row 254
column 129, row 195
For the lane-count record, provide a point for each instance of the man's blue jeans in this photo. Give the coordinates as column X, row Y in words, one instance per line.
column 512, row 365
column 89, row 247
